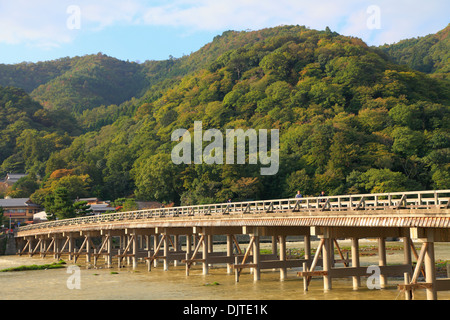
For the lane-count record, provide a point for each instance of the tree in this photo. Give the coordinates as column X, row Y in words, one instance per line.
column 156, row 179
column 381, row 181
column 82, row 208
column 24, row 187
column 58, row 205
column 296, row 181
column 276, row 64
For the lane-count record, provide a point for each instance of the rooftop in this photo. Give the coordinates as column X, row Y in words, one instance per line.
column 17, row 202
column 12, row 178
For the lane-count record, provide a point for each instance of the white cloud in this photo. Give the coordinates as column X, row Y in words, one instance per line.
column 399, row 19
column 44, row 22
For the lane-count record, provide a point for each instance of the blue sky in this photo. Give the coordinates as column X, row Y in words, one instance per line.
column 139, row 30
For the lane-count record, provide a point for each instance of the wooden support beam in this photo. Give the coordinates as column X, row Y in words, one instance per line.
column 419, row 263
column 256, row 259
column 188, row 260
column 125, row 251
column 430, row 271
column 413, row 249
column 382, row 261
column 402, row 203
column 414, row 286
column 240, row 266
column 35, row 248
column 340, row 253
column 327, row 256
column 25, row 247
column 236, row 243
column 355, row 262
column 361, row 204
column 282, row 242
column 314, row 263
column 205, row 248
column 48, row 248
column 443, row 284
column 249, row 249
column 310, row 274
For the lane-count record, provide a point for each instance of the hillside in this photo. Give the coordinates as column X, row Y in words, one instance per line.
column 92, row 81
column 28, row 76
column 350, row 118
column 429, row 54
column 29, row 132
column 350, row 121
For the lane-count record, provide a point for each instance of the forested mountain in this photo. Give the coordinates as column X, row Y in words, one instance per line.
column 29, row 133
column 28, row 76
column 351, row 120
column 429, row 54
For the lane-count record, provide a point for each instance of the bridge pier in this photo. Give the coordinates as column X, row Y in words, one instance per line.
column 328, row 236
column 382, row 260
column 427, row 237
column 422, row 216
column 355, row 262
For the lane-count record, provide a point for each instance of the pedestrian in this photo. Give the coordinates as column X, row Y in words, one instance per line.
column 298, row 195
column 322, row 195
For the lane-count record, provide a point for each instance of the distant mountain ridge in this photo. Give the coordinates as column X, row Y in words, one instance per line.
column 351, row 119
column 83, row 83
column 429, row 54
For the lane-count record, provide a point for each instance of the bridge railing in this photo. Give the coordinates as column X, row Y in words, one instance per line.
column 413, row 200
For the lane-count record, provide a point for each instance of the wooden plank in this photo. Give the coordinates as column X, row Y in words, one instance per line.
column 270, row 264
column 443, row 284
column 312, row 273
column 245, row 265
column 395, row 270
column 348, row 272
column 413, row 286
column 220, row 259
column 193, row 260
column 119, row 255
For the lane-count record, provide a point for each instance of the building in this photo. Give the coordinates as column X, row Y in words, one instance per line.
column 12, row 178
column 20, row 210
column 41, row 216
column 98, row 206
column 102, row 208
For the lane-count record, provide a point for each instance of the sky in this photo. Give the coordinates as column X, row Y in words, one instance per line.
column 140, row 30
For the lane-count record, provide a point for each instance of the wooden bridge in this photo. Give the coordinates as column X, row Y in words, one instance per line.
column 185, row 235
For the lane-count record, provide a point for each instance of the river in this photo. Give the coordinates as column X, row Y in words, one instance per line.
column 127, row 284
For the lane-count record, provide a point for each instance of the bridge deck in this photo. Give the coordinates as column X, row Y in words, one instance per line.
column 401, row 209
column 154, row 235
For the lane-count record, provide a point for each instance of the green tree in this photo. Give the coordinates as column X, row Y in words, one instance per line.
column 59, row 205
column 24, row 187
column 156, row 179
column 381, row 181
column 82, row 208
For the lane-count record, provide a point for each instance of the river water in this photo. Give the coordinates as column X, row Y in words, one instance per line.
column 127, row 284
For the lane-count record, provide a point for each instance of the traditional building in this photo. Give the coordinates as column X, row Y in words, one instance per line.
column 21, row 210
column 12, row 178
